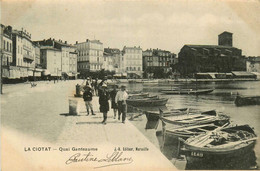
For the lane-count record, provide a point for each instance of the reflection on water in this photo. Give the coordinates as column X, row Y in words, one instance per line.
column 222, row 100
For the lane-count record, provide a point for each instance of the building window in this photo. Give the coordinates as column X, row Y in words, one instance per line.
column 7, row 46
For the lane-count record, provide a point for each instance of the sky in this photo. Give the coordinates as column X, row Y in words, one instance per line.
column 162, row 24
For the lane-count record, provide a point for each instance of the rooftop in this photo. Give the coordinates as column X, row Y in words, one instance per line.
column 225, row 32
column 210, row 46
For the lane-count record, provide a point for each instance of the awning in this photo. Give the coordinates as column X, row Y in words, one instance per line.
column 14, row 73
column 23, row 72
column 46, row 72
column 241, row 73
column 6, row 73
column 37, row 74
column 38, row 69
column 256, row 73
column 30, row 73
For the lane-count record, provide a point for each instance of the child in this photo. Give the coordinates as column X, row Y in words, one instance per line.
column 87, row 96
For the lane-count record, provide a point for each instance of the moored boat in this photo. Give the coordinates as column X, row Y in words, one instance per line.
column 147, row 101
column 221, row 143
column 138, row 95
column 154, row 115
column 196, row 118
column 187, row 91
column 247, row 100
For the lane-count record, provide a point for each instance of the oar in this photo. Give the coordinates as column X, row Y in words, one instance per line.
column 207, row 135
column 136, row 116
column 235, row 143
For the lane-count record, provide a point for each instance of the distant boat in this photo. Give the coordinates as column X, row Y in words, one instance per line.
column 150, row 81
column 221, row 143
column 247, row 100
column 187, row 91
column 147, row 101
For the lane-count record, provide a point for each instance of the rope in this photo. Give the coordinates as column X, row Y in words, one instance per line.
column 137, row 110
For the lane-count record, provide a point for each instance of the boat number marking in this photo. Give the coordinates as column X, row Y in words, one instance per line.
column 196, row 154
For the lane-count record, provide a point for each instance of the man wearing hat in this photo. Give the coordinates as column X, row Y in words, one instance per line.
column 120, row 99
column 103, row 102
column 87, row 96
column 104, row 81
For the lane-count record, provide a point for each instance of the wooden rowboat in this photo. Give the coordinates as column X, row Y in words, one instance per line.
column 187, row 91
column 146, row 102
column 154, row 115
column 221, row 143
column 195, row 118
column 138, row 95
column 247, row 100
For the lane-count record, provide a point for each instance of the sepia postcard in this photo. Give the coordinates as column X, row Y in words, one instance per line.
column 130, row 85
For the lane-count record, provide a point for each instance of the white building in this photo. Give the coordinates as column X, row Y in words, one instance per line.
column 90, row 56
column 133, row 61
column 112, row 59
column 51, row 61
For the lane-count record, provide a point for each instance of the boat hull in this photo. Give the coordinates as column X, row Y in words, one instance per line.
column 195, row 155
column 244, row 101
column 155, row 115
column 189, row 92
column 195, row 151
column 146, row 102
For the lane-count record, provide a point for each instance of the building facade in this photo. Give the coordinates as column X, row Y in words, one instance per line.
column 157, row 62
column 73, row 64
column 90, row 56
column 112, row 59
column 211, row 58
column 67, row 53
column 133, row 61
column 51, row 61
column 253, row 64
column 6, row 46
column 23, row 55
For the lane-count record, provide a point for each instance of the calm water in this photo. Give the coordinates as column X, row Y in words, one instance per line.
column 222, row 100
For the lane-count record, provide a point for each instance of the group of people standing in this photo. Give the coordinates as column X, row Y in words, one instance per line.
column 118, row 98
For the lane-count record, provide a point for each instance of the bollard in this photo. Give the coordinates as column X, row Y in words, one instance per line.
column 73, row 107
column 77, row 91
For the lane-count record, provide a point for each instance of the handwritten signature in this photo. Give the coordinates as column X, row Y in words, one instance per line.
column 116, row 158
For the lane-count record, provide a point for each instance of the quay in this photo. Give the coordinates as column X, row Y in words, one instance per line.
column 52, row 143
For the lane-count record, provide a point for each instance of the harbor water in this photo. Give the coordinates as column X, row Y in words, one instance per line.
column 221, row 99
